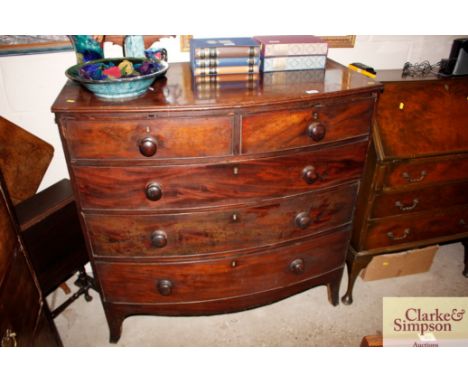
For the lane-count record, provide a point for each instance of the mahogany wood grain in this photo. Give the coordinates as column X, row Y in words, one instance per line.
column 230, row 277
column 192, row 186
column 423, row 105
column 117, row 139
column 219, row 231
column 270, row 131
column 416, row 200
column 416, row 227
column 426, row 171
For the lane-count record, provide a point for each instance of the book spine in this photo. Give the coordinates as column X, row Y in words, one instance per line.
column 226, row 70
column 293, row 63
column 224, row 51
column 227, row 61
column 227, row 78
column 305, row 49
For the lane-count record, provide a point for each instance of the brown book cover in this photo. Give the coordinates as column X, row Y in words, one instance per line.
column 226, row 70
column 227, row 78
column 305, row 45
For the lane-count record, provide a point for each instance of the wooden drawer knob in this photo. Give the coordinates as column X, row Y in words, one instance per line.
column 316, row 131
column 159, row 239
column 297, row 266
column 303, row 220
column 309, row 174
column 148, row 146
column 153, row 191
column 165, row 287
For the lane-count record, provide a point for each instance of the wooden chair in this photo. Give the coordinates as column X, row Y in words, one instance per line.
column 48, row 220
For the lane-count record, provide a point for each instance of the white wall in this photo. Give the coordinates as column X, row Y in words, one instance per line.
column 29, row 84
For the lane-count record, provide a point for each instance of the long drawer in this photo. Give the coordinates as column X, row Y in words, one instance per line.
column 140, row 138
column 217, row 231
column 420, row 199
column 223, row 278
column 421, row 172
column 191, row 186
column 270, row 131
column 416, row 227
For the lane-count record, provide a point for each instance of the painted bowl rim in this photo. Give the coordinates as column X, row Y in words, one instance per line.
column 160, row 72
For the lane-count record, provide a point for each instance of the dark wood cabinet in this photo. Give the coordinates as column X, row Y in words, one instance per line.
column 25, row 319
column 415, row 191
column 196, row 204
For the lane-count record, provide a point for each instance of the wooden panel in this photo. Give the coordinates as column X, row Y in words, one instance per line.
column 24, row 159
column 211, row 185
column 175, row 137
column 270, row 131
column 421, row 199
column 227, row 230
column 416, row 227
column 423, row 118
column 428, row 171
column 223, row 278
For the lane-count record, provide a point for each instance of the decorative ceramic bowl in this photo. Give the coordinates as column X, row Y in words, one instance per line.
column 118, row 88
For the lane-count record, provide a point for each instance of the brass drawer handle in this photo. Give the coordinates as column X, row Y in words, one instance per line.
column 406, row 233
column 9, row 339
column 409, row 179
column 402, row 207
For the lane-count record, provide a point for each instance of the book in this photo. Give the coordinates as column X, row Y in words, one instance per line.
column 292, row 45
column 226, row 78
column 274, row 64
column 226, row 70
column 294, row 77
column 223, row 47
column 227, row 61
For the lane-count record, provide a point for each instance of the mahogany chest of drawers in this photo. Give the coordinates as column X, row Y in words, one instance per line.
column 203, row 201
column 415, row 191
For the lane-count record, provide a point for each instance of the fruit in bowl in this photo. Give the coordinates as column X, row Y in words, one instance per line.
column 118, row 78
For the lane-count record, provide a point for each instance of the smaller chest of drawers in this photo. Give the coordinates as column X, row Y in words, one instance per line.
column 415, row 191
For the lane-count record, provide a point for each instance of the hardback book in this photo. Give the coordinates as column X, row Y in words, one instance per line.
column 223, row 47
column 294, row 77
column 226, row 78
column 272, row 46
column 227, row 61
column 275, row 64
column 226, row 70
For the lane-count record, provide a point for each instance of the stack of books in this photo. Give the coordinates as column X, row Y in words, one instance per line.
column 280, row 53
column 233, row 62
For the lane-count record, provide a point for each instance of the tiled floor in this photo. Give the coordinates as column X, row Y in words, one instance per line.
column 306, row 319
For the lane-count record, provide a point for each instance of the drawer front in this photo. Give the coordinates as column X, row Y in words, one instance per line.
column 270, row 131
column 416, row 227
column 189, row 186
column 229, row 230
column 424, row 171
column 143, row 139
column 224, row 278
column 421, row 199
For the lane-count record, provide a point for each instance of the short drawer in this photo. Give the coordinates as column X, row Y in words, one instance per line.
column 421, row 172
column 421, row 199
column 228, row 230
column 230, row 276
column 416, row 227
column 270, row 131
column 143, row 139
column 194, row 186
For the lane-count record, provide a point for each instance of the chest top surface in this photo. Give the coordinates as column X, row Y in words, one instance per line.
column 179, row 92
column 421, row 116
